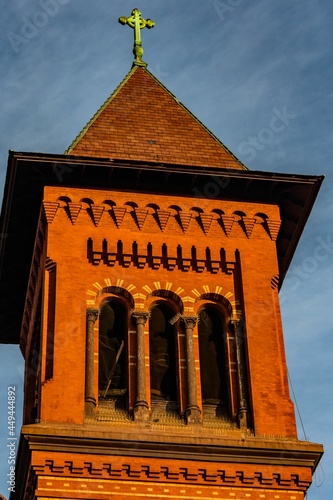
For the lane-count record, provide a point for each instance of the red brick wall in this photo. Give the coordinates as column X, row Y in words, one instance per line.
column 133, row 477
column 245, row 282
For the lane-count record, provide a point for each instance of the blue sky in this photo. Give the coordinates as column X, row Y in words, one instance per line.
column 236, row 65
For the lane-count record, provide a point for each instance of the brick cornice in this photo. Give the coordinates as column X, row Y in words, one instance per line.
column 250, row 450
column 224, row 221
column 144, row 469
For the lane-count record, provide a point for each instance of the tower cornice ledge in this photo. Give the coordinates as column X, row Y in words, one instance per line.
column 250, row 449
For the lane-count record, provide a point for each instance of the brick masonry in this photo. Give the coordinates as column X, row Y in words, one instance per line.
column 142, row 120
column 93, row 244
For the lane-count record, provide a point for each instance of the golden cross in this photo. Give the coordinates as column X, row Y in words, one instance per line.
column 137, row 22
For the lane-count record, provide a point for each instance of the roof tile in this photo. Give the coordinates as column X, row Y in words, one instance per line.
column 142, row 120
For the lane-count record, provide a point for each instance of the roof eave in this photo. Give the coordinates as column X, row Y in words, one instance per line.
column 28, row 173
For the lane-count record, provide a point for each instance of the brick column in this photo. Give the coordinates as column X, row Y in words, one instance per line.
column 90, row 400
column 241, row 373
column 193, row 413
column 141, row 408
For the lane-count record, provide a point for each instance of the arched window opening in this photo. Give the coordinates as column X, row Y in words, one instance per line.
column 214, row 386
column 112, row 374
column 162, row 347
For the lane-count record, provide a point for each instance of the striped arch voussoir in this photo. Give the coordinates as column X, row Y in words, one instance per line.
column 166, row 291
column 111, row 287
column 216, row 295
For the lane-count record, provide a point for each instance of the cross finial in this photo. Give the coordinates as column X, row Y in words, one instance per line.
column 137, row 22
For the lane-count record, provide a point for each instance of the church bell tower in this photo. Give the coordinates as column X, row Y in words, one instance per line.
column 149, row 313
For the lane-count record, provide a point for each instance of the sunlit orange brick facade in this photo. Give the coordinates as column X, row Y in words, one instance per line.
column 127, row 219
column 245, row 283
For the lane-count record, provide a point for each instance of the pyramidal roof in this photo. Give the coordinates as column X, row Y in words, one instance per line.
column 142, row 120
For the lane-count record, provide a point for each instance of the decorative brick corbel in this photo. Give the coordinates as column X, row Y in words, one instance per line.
column 275, row 281
column 141, row 261
column 73, row 211
column 273, row 227
column 111, row 257
column 162, row 218
column 118, row 214
column 230, row 262
column 156, row 262
column 184, row 219
column 200, row 265
column 94, row 256
column 184, row 254
column 140, row 215
column 200, row 259
column 125, row 249
column 171, row 263
column 97, row 212
column 248, row 225
column 186, row 264
column 50, row 210
column 227, row 223
column 126, row 260
column 206, row 222
column 141, row 256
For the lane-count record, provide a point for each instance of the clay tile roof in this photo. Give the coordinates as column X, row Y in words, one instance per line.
column 142, row 120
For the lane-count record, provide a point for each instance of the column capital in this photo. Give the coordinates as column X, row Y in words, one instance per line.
column 236, row 323
column 190, row 321
column 140, row 317
column 92, row 314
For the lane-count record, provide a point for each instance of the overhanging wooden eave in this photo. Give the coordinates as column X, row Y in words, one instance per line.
column 28, row 173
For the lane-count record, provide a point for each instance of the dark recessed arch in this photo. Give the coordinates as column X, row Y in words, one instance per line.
column 64, row 200
column 113, row 328
column 117, row 292
column 170, row 296
column 212, row 353
column 87, row 201
column 261, row 215
column 217, row 299
column 162, row 352
column 109, row 203
column 239, row 214
column 153, row 206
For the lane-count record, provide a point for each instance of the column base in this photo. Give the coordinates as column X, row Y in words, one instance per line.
column 141, row 411
column 90, row 407
column 243, row 419
column 193, row 415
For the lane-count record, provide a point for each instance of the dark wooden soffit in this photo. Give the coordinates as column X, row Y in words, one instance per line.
column 28, row 173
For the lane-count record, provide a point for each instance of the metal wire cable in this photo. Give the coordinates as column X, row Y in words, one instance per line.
column 296, row 404
column 318, row 479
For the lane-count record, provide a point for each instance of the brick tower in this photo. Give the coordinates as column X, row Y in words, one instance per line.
column 148, row 260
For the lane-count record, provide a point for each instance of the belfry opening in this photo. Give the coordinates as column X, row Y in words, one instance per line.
column 213, row 365
column 112, row 365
